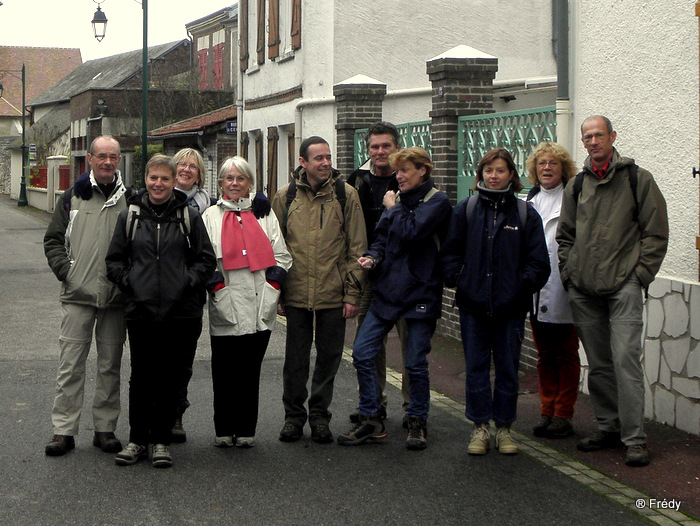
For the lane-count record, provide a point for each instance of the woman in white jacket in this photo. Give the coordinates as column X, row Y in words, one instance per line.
column 549, row 168
column 252, row 263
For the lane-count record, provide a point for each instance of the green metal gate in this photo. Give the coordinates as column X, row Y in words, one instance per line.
column 412, row 134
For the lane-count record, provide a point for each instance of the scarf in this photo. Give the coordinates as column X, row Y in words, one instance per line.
column 244, row 243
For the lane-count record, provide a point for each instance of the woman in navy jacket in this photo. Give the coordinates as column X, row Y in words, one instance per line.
column 495, row 254
column 408, row 283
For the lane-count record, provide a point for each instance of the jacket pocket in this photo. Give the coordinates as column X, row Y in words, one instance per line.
column 222, row 310
column 268, row 304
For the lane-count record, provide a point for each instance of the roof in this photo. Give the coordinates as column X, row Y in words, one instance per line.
column 197, row 123
column 231, row 11
column 48, row 128
column 44, row 66
column 102, row 73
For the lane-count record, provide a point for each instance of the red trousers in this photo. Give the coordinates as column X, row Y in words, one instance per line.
column 558, row 367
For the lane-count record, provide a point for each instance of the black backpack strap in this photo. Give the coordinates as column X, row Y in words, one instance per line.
column 633, row 185
column 66, row 199
column 341, row 195
column 578, row 185
column 522, row 212
column 471, row 206
column 291, row 194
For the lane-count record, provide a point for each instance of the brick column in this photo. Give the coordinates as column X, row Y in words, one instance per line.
column 358, row 105
column 462, row 80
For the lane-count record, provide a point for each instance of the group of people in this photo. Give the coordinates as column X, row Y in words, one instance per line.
column 576, row 255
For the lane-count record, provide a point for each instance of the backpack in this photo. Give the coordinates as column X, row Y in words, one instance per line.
column 292, row 193
column 578, row 186
column 182, row 214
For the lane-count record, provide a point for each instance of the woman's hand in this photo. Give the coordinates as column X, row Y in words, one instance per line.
column 366, row 262
column 389, row 199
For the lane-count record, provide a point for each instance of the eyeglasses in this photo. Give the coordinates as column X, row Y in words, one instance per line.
column 542, row 164
column 192, row 167
column 589, row 137
column 104, row 157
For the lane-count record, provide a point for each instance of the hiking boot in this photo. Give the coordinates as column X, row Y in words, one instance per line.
column 291, row 432
column 160, row 457
column 480, row 440
column 177, row 433
column 321, row 434
column 245, row 442
column 417, row 434
column 637, row 455
column 600, row 440
column 107, row 442
column 540, row 430
column 560, row 428
column 367, row 431
column 504, row 441
column 131, row 454
column 223, row 442
column 60, row 445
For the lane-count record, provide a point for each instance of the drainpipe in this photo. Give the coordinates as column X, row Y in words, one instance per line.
column 298, row 109
column 560, row 48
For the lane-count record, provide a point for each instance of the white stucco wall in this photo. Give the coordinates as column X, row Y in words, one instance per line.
column 637, row 63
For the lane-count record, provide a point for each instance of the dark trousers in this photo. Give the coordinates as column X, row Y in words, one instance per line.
column 330, row 338
column 235, row 372
column 158, row 354
column 190, row 349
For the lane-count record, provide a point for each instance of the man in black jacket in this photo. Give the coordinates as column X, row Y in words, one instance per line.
column 372, row 180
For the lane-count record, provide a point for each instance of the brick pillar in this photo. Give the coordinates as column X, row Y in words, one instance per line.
column 358, row 105
column 462, row 81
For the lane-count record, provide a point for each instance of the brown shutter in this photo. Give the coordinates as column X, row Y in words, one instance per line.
column 273, row 44
column 261, row 32
column 243, row 32
column 296, row 24
column 244, row 145
column 259, row 160
column 272, row 144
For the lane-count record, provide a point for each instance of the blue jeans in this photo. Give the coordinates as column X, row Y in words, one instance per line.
column 367, row 346
column 482, row 336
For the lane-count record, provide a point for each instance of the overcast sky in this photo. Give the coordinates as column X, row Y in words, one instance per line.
column 67, row 23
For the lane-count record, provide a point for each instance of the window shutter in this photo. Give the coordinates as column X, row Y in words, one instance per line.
column 296, row 24
column 243, row 33
column 202, row 68
column 219, row 66
column 273, row 45
column 261, row 32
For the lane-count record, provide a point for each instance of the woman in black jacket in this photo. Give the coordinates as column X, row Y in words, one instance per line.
column 161, row 258
column 495, row 254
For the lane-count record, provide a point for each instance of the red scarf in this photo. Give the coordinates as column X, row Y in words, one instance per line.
column 244, row 243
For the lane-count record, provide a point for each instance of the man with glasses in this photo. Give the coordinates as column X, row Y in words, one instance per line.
column 75, row 245
column 613, row 235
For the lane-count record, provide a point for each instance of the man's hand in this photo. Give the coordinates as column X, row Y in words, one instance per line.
column 350, row 311
column 389, row 199
column 280, row 309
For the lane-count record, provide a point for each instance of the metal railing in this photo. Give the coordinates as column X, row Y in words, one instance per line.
column 412, row 134
column 516, row 131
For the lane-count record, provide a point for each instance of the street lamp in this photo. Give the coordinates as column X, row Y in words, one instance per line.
column 144, row 73
column 22, row 201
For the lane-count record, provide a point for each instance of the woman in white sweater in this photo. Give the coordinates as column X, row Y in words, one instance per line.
column 549, row 168
column 252, row 263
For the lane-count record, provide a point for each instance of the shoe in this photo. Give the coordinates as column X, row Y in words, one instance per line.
column 480, row 440
column 560, row 428
column 107, row 442
column 355, row 415
column 637, row 455
column 600, row 440
column 504, row 441
column 367, row 431
column 160, row 457
column 245, row 441
column 291, row 432
column 131, row 454
column 321, row 434
column 417, row 434
column 223, row 441
column 177, row 433
column 60, row 445
column 540, row 430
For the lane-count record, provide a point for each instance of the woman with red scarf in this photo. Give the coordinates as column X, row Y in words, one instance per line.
column 252, row 262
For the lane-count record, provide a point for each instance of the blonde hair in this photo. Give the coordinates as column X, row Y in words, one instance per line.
column 198, row 160
column 556, row 150
column 418, row 156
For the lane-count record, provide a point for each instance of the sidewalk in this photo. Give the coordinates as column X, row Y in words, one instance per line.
column 674, row 472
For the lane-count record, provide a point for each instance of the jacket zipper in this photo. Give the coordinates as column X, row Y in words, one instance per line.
column 322, row 216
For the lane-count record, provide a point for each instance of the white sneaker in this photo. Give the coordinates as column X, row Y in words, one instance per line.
column 245, row 441
column 160, row 456
column 504, row 441
column 131, row 454
column 480, row 440
column 223, row 441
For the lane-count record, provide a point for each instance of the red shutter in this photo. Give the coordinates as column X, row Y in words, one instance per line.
column 203, row 69
column 261, row 32
column 219, row 66
column 296, row 24
column 273, row 46
column 243, row 33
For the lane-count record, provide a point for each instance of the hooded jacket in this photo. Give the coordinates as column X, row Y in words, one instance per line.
column 495, row 264
column 362, row 180
column 247, row 303
column 161, row 271
column 77, row 239
column 600, row 244
column 407, row 278
column 324, row 243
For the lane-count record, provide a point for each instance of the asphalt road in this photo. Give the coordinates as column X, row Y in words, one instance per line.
column 272, row 483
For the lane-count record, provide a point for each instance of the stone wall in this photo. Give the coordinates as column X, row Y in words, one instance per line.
column 5, row 164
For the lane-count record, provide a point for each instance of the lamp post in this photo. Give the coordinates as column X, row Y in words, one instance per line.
column 99, row 25
column 22, row 201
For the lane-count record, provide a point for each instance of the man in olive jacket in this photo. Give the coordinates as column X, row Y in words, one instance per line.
column 324, row 283
column 613, row 235
column 75, row 245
